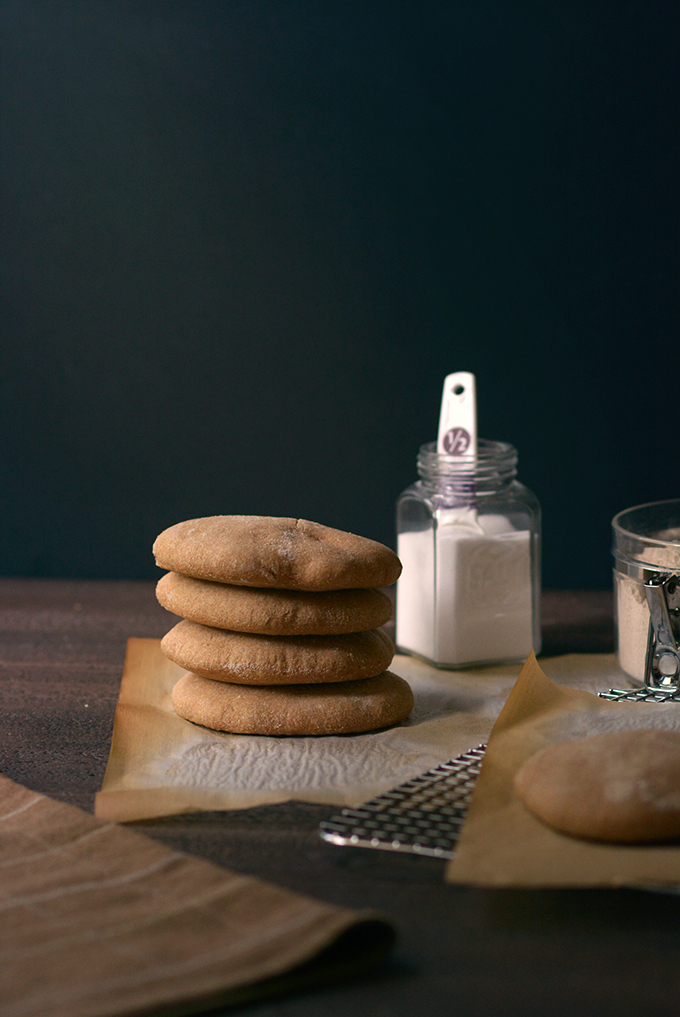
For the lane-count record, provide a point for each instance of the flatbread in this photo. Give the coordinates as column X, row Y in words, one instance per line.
column 275, row 553
column 273, row 612
column 338, row 708
column 622, row 787
column 247, row 659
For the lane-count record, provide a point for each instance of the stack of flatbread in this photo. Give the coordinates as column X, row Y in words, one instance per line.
column 281, row 626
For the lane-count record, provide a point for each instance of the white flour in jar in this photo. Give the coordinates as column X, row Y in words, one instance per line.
column 464, row 595
column 632, row 625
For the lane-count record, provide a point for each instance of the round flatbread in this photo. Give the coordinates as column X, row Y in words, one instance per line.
column 246, row 659
column 275, row 553
column 273, row 612
column 622, row 787
column 337, row 708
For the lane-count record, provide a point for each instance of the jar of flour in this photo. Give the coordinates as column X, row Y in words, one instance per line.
column 646, row 551
column 469, row 542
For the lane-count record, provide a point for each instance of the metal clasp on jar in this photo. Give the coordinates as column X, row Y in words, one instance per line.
column 662, row 665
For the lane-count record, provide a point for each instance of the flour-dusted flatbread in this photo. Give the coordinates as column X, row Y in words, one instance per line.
column 273, row 612
column 274, row 552
column 247, row 659
column 327, row 709
column 622, row 787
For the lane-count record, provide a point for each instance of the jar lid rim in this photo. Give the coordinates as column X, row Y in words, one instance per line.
column 486, row 449
column 636, row 535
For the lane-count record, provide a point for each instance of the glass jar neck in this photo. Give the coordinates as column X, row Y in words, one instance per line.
column 464, row 477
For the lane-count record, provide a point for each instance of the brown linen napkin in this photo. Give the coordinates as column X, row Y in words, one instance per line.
column 98, row 921
column 502, row 844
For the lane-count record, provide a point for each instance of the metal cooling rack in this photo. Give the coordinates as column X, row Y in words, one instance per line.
column 641, row 696
column 423, row 816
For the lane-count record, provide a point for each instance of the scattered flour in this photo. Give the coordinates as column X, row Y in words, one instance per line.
column 272, row 764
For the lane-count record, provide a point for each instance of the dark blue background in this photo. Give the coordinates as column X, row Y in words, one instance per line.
column 245, row 241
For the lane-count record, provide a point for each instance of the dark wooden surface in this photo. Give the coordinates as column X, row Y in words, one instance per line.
column 460, row 951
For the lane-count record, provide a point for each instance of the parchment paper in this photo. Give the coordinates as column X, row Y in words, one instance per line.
column 161, row 764
column 502, row 844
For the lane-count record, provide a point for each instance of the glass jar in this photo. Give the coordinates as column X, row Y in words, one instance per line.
column 646, row 545
column 469, row 541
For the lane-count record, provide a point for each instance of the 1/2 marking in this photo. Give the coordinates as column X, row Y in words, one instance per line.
column 457, row 441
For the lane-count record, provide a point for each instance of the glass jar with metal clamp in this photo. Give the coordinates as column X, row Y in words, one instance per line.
column 647, row 594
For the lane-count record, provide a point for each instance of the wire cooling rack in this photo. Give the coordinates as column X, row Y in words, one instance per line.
column 641, row 696
column 424, row 816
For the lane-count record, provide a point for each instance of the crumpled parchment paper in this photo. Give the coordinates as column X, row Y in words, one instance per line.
column 161, row 764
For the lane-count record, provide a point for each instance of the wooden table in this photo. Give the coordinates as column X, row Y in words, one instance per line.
column 461, row 951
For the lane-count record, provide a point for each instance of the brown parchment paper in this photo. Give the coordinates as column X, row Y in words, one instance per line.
column 161, row 764
column 100, row 921
column 502, row 844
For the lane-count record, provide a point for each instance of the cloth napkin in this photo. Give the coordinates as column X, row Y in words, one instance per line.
column 503, row 844
column 97, row 920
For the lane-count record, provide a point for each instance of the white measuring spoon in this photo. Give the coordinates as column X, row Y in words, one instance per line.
column 458, row 417
column 458, row 437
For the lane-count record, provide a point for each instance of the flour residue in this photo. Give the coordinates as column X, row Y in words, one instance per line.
column 252, row 763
